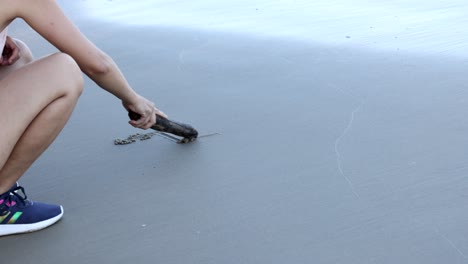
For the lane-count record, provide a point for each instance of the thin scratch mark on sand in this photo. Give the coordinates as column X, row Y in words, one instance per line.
column 337, row 152
column 181, row 59
column 450, row 242
column 286, row 60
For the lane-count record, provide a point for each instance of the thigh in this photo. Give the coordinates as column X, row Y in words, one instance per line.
column 25, row 58
column 25, row 92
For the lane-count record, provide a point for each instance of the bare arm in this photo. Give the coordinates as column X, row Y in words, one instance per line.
column 46, row 18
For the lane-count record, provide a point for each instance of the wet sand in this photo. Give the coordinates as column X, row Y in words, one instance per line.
column 327, row 154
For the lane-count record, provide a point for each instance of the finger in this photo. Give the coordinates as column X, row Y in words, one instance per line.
column 14, row 56
column 3, row 59
column 151, row 121
column 137, row 123
column 143, row 121
column 161, row 113
column 140, row 122
column 151, row 118
column 132, row 123
column 136, row 120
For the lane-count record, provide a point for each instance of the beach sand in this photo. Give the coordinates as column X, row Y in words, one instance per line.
column 326, row 154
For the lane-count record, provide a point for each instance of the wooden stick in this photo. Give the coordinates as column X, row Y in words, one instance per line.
column 168, row 126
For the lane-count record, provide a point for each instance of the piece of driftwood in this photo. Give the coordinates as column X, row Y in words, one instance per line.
column 187, row 132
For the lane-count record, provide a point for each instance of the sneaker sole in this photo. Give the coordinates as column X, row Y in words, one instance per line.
column 13, row 229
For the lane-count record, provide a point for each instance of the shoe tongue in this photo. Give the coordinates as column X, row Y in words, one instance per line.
column 16, row 185
column 4, row 196
column 13, row 196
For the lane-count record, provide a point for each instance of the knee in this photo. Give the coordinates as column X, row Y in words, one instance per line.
column 70, row 69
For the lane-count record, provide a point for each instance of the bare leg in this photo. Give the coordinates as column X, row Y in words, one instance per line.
column 35, row 103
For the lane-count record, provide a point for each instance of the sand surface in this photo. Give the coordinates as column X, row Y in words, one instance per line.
column 330, row 151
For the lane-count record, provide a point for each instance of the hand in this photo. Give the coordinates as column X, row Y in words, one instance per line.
column 10, row 52
column 145, row 109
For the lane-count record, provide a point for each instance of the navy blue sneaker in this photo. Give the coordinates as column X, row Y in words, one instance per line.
column 20, row 215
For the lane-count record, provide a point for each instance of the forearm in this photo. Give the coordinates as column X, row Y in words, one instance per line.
column 108, row 76
column 46, row 18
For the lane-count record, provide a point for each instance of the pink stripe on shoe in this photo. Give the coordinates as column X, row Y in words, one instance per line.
column 8, row 203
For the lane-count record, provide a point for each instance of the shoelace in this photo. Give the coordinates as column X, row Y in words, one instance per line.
column 9, row 199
